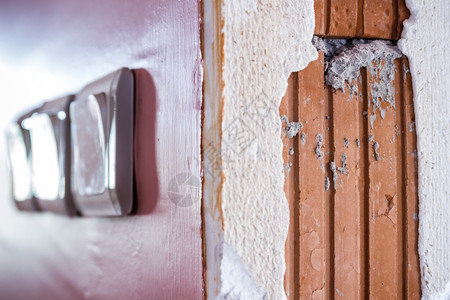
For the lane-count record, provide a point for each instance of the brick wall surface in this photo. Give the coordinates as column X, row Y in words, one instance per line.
column 380, row 19
column 353, row 228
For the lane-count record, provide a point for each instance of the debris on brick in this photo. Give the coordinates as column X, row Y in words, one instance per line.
column 319, row 144
column 292, row 128
column 344, row 168
column 382, row 113
column 372, row 119
column 378, row 57
column 287, row 167
column 327, row 183
column 346, row 142
column 345, row 66
column 333, row 170
column 329, row 47
column 303, row 138
column 375, row 150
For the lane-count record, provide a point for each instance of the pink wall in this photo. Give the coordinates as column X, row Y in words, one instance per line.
column 49, row 48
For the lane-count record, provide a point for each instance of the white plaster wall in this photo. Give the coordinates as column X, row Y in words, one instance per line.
column 426, row 40
column 264, row 41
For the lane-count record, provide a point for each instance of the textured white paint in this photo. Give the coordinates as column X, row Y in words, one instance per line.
column 426, row 40
column 264, row 42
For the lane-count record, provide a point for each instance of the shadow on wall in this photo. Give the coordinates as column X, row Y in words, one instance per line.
column 145, row 167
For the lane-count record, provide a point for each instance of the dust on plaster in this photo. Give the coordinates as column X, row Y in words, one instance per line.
column 264, row 42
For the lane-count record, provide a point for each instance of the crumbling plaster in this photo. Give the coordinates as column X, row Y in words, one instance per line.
column 257, row 45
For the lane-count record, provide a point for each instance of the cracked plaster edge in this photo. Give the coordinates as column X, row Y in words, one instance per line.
column 264, row 42
column 425, row 40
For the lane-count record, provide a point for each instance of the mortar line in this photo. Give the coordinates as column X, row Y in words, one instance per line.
column 360, row 19
column 361, row 103
column 331, row 208
column 328, row 197
column 395, row 33
column 327, row 15
column 295, row 107
column 404, row 205
column 366, row 195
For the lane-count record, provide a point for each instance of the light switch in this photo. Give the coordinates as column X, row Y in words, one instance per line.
column 49, row 159
column 18, row 144
column 102, row 124
column 74, row 155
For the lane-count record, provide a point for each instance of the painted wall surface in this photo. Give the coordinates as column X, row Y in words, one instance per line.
column 262, row 42
column 426, row 40
column 50, row 48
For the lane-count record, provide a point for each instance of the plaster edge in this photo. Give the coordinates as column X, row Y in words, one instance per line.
column 425, row 40
column 212, row 49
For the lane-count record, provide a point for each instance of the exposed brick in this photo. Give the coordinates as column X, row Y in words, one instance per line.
column 380, row 19
column 311, row 157
column 321, row 15
column 360, row 19
column 343, row 18
column 357, row 240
